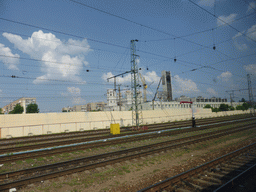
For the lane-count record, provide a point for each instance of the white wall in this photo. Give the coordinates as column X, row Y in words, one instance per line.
column 16, row 125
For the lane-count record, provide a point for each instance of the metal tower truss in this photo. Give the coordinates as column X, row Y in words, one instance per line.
column 250, row 93
column 136, row 100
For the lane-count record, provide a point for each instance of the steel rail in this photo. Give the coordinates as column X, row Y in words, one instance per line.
column 190, row 173
column 149, row 151
column 43, row 138
column 11, row 149
column 56, row 150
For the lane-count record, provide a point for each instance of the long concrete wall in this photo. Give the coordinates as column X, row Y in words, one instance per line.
column 17, row 125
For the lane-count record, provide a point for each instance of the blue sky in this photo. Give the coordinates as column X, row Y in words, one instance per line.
column 62, row 51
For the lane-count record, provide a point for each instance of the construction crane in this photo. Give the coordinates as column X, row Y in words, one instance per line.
column 153, row 100
column 144, row 88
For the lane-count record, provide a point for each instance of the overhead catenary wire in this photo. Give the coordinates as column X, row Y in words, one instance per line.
column 222, row 20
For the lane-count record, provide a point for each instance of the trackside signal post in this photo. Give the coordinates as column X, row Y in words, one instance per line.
column 193, row 117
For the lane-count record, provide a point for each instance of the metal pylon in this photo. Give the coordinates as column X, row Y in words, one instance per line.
column 250, row 93
column 136, row 100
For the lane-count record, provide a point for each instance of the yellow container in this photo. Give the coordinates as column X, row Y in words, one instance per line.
column 115, row 129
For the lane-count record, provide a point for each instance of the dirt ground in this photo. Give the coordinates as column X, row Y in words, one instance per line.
column 140, row 173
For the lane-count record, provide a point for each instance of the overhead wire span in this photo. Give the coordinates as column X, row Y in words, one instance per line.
column 199, row 32
column 221, row 20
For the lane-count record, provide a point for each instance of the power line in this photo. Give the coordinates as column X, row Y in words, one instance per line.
column 199, row 32
column 142, row 25
column 221, row 20
column 63, row 33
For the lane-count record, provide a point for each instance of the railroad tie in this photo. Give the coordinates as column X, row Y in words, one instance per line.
column 212, row 178
column 219, row 175
column 232, row 166
column 237, row 163
column 208, row 183
column 182, row 190
column 191, row 184
column 227, row 169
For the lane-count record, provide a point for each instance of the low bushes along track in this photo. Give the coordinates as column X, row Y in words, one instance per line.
column 96, row 134
column 37, row 174
column 216, row 175
column 53, row 151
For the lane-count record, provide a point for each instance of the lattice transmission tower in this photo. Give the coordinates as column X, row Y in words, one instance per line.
column 136, row 100
column 250, row 93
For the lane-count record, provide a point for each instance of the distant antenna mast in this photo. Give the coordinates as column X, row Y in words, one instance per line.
column 136, row 103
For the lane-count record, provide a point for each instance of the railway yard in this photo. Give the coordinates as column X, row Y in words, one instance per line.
column 218, row 154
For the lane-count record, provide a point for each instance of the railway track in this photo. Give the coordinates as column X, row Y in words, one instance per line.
column 53, row 151
column 27, row 176
column 28, row 144
column 93, row 134
column 216, row 175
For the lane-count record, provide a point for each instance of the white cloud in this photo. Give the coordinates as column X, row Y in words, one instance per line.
column 251, row 6
column 251, row 32
column 222, row 20
column 67, row 58
column 74, row 90
column 225, row 76
column 119, row 80
column 238, row 42
column 212, row 92
column 184, row 85
column 150, row 77
column 239, row 46
column 9, row 60
column 75, row 94
column 250, row 69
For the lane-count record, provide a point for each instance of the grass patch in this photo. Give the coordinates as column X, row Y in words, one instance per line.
column 73, row 182
column 65, row 155
column 3, row 170
column 126, row 169
column 156, row 170
column 29, row 160
column 40, row 159
column 19, row 162
column 56, row 185
column 49, row 157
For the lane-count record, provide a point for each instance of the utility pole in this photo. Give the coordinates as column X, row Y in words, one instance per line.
column 119, row 95
column 250, row 92
column 232, row 96
column 136, row 105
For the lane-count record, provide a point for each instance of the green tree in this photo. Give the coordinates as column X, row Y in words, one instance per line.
column 240, row 107
column 207, row 106
column 215, row 110
column 242, row 100
column 223, row 107
column 1, row 111
column 231, row 108
column 32, row 108
column 17, row 110
column 246, row 105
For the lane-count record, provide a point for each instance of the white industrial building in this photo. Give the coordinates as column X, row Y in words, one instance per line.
column 123, row 100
